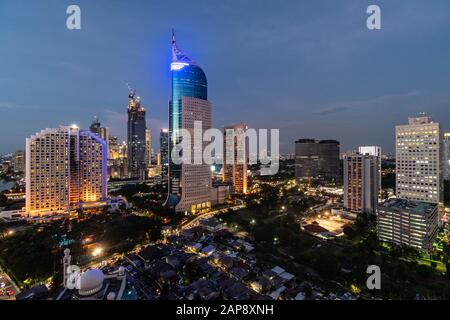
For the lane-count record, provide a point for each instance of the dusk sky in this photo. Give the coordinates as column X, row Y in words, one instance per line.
column 310, row 68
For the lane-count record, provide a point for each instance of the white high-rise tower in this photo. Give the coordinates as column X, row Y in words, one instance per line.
column 66, row 169
column 419, row 166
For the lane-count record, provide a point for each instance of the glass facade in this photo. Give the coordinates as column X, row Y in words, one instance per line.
column 188, row 80
column 136, row 128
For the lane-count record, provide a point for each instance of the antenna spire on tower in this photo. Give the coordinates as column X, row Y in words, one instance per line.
column 177, row 54
column 131, row 91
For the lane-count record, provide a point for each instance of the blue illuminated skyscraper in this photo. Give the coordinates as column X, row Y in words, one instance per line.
column 189, row 185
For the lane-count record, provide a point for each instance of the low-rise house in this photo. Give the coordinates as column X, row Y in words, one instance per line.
column 276, row 294
column 174, row 262
column 239, row 273
column 168, row 277
column 224, row 262
column 261, row 285
column 211, row 224
column 208, row 250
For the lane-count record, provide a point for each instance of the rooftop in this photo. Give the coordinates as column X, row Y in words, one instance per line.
column 414, row 206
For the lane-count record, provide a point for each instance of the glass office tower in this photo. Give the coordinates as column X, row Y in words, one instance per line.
column 136, row 141
column 188, row 81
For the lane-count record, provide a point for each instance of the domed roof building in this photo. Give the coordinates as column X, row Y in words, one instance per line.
column 93, row 284
column 90, row 282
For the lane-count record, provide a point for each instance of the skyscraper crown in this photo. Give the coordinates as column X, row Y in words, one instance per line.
column 179, row 58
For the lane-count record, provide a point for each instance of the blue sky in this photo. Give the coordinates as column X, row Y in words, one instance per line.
column 310, row 68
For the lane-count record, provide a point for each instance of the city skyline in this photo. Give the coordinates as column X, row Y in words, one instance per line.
column 387, row 76
column 267, row 152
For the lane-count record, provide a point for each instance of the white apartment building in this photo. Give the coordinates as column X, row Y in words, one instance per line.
column 419, row 168
column 446, row 155
column 410, row 223
column 66, row 169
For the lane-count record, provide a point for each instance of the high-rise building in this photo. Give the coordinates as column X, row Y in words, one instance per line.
column 361, row 183
column 329, row 163
column 306, row 158
column 446, row 155
column 235, row 148
column 414, row 217
column 418, row 160
column 189, row 184
column 373, row 151
column 102, row 132
column 113, row 151
column 406, row 222
column 66, row 169
column 317, row 159
column 117, row 159
column 19, row 161
column 95, row 126
column 137, row 166
column 164, row 151
column 148, row 147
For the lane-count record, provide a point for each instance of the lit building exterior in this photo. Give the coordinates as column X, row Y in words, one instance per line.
column 406, row 222
column 419, row 166
column 189, row 184
column 136, row 141
column 19, row 161
column 361, row 182
column 148, row 147
column 164, row 151
column 117, row 159
column 102, row 132
column 414, row 217
column 373, row 151
column 235, row 147
column 317, row 159
column 446, row 152
column 66, row 169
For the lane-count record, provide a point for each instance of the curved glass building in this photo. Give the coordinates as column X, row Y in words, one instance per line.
column 189, row 91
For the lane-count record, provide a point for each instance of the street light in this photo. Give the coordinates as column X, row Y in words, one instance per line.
column 97, row 251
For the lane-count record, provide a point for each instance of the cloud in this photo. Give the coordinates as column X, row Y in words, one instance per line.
column 331, row 110
column 8, row 105
column 73, row 67
column 344, row 106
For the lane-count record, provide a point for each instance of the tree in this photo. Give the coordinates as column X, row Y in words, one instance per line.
column 349, row 232
column 307, row 289
column 327, row 265
column 3, row 228
column 3, row 200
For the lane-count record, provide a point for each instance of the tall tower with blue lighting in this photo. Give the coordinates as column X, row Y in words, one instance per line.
column 189, row 184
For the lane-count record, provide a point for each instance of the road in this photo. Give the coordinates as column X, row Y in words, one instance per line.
column 7, row 285
column 210, row 214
